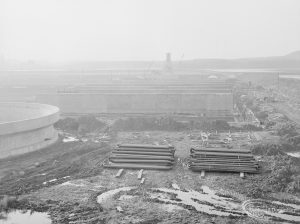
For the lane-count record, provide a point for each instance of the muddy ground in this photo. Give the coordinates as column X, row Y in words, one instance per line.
column 66, row 178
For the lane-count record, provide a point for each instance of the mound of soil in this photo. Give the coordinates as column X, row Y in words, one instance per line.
column 148, row 123
column 89, row 123
column 84, row 124
column 67, row 124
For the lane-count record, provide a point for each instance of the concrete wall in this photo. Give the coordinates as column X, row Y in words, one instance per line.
column 194, row 103
column 23, row 142
column 26, row 127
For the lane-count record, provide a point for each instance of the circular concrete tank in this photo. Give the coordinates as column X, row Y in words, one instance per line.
column 26, row 127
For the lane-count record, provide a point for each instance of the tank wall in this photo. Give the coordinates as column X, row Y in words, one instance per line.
column 19, row 143
column 25, row 127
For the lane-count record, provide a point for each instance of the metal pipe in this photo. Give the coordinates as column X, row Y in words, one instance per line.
column 225, row 164
column 144, row 150
column 211, row 154
column 143, row 153
column 220, row 150
column 225, row 170
column 220, row 166
column 137, row 166
column 221, row 158
column 143, row 157
column 222, row 162
column 217, row 156
column 223, row 167
column 166, row 162
column 145, row 146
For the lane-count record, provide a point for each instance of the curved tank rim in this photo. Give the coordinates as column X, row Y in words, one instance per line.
column 55, row 110
column 36, row 122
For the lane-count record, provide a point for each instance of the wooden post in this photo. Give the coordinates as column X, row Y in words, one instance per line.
column 119, row 209
column 140, row 174
column 202, row 174
column 120, row 172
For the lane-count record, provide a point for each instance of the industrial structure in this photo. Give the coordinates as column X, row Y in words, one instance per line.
column 209, row 98
column 127, row 88
column 26, row 127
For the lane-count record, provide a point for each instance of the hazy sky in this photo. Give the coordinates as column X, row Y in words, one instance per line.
column 64, row 30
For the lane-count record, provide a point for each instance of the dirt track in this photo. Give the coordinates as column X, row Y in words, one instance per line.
column 62, row 161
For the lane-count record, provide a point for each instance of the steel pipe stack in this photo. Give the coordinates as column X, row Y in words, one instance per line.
column 141, row 156
column 222, row 160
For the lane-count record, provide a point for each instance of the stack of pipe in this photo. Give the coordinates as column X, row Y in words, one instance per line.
column 222, row 160
column 141, row 156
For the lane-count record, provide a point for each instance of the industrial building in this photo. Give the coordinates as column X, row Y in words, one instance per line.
column 209, row 98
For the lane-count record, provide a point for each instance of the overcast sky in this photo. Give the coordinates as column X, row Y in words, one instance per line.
column 68, row 30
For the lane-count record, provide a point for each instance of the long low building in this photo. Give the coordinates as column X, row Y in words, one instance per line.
column 26, row 127
column 204, row 104
column 202, row 97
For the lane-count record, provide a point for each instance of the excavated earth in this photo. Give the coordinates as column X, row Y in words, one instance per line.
column 68, row 182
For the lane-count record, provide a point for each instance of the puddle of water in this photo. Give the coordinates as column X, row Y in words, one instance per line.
column 42, row 174
column 81, row 184
column 175, row 186
column 272, row 210
column 108, row 194
column 54, row 180
column 70, row 139
column 68, row 183
column 50, row 181
column 21, row 217
column 206, row 201
column 294, row 154
column 172, row 208
column 297, row 207
column 126, row 197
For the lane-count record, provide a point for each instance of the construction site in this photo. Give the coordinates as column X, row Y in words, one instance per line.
column 150, row 112
column 150, row 149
